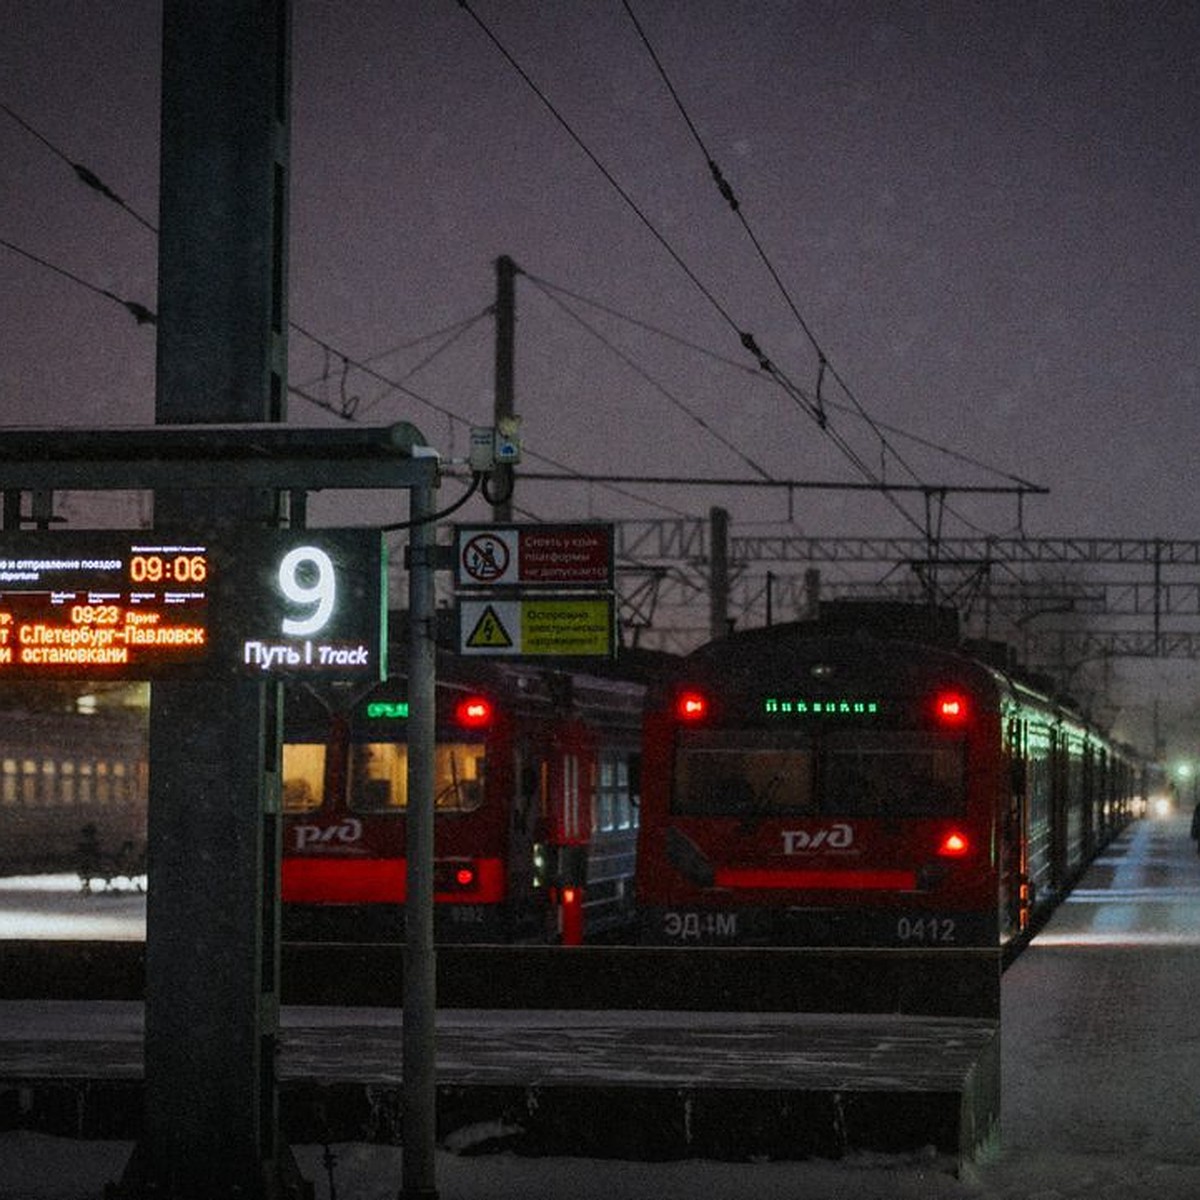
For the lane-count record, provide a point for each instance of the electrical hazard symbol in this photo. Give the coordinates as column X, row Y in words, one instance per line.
column 490, row 632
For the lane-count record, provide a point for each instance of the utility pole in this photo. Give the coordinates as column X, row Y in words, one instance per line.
column 718, row 572
column 506, row 325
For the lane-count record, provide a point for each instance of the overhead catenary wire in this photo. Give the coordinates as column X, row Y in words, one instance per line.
column 659, row 387
column 140, row 313
column 815, row 407
column 755, row 373
column 85, row 174
column 746, row 338
column 344, row 411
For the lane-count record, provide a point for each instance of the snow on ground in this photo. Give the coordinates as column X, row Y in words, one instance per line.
column 1101, row 1057
column 34, row 1167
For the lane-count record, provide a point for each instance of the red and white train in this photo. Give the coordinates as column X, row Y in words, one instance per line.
column 835, row 783
column 536, row 812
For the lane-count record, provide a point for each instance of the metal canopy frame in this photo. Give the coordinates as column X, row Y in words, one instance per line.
column 162, row 457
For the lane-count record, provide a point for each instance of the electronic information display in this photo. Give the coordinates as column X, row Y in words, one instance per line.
column 105, row 605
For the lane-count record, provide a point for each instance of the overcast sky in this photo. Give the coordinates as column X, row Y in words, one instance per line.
column 983, row 215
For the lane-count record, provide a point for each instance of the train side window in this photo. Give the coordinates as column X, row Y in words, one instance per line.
column 122, row 784
column 8, row 782
column 86, row 782
column 29, row 779
column 50, row 794
column 606, row 796
column 303, row 776
column 626, row 813
column 66, row 781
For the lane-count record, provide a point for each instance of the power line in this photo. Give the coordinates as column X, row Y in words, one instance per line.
column 755, row 373
column 663, row 391
column 85, row 174
column 746, row 338
column 139, row 312
column 814, row 406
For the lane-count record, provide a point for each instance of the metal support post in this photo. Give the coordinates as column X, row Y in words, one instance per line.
column 420, row 965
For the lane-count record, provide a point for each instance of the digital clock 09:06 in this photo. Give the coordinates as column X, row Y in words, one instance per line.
column 161, row 568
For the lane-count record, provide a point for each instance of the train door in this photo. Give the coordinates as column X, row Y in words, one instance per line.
column 569, row 803
column 1060, row 779
column 522, row 882
column 1093, row 776
column 1015, row 883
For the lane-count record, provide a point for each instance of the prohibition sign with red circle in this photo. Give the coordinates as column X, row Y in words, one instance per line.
column 485, row 557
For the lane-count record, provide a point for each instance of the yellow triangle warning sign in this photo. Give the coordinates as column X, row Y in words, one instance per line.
column 489, row 632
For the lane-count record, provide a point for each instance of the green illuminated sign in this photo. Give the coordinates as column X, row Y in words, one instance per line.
column 798, row 706
column 387, row 710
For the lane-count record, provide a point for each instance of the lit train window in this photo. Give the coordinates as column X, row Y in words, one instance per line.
column 49, row 793
column 458, row 774
column 66, row 781
column 626, row 813
column 85, row 783
column 743, row 773
column 891, row 774
column 103, row 788
column 606, row 797
column 29, row 779
column 303, row 776
column 379, row 777
column 8, row 781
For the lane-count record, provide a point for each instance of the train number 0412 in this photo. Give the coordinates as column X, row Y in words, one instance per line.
column 927, row 931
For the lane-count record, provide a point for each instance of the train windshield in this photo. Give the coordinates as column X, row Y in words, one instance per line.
column 379, row 777
column 764, row 773
column 888, row 774
column 743, row 772
column 303, row 776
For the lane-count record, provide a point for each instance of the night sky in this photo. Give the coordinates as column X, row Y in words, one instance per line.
column 982, row 215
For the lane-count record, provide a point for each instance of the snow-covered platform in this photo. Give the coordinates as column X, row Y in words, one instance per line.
column 637, row 1085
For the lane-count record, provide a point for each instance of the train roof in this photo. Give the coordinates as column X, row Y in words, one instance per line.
column 900, row 641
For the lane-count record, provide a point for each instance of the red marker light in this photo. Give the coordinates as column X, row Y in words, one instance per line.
column 691, row 706
column 474, row 712
column 951, row 708
column 954, row 845
column 464, row 876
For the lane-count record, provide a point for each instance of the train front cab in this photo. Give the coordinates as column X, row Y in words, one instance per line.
column 534, row 839
column 812, row 804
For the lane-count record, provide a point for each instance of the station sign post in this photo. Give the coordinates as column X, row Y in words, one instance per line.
column 535, row 590
column 121, row 605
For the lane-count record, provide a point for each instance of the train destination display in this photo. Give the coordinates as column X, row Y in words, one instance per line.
column 140, row 605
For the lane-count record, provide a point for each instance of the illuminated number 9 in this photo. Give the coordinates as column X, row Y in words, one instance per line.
column 316, row 585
